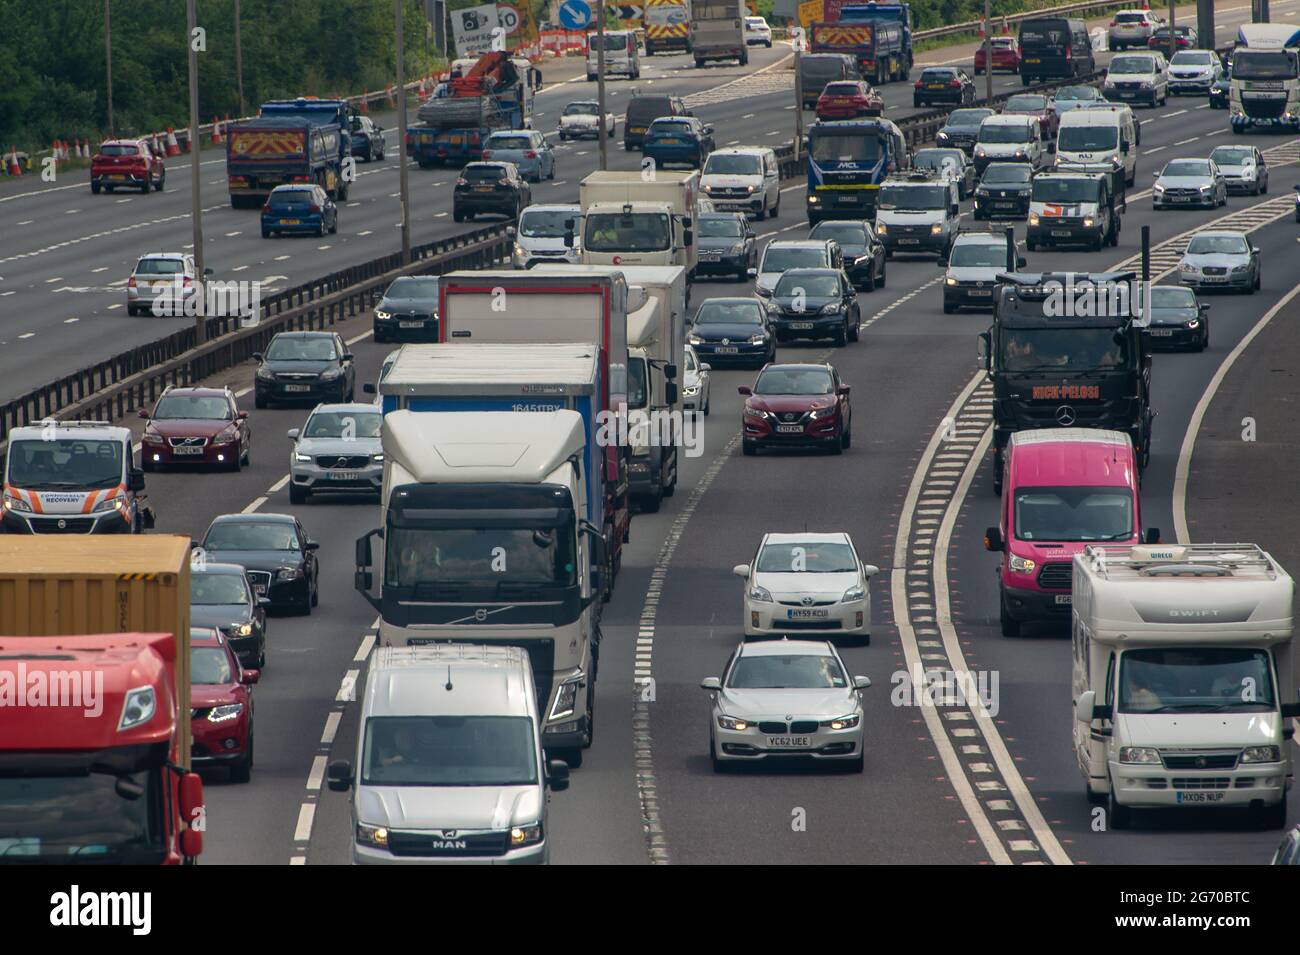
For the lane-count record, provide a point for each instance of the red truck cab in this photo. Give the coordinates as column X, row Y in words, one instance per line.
column 89, row 753
column 126, row 163
column 1062, row 489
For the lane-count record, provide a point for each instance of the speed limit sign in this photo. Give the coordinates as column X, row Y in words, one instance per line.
column 509, row 18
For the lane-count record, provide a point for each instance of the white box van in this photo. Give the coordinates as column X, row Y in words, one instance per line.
column 621, row 58
column 1098, row 139
column 449, row 765
column 1182, row 679
column 743, row 179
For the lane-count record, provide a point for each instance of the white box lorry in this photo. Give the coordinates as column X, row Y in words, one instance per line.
column 639, row 218
column 1182, row 679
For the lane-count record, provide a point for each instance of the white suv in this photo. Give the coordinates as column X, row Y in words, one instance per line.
column 1131, row 28
column 154, row 280
column 743, row 179
column 1192, row 71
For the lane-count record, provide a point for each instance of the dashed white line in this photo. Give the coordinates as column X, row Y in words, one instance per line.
column 367, row 232
column 281, row 258
column 317, row 774
column 356, row 338
column 257, row 502
column 278, row 485
column 239, row 268
column 306, row 814
column 363, row 651
column 348, row 687
column 331, row 728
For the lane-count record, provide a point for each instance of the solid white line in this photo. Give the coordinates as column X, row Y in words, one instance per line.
column 243, row 391
column 254, row 506
column 317, row 774
column 1198, row 414
column 306, row 813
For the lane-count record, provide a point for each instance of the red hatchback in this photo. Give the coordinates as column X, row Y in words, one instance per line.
column 797, row 406
column 1006, row 55
column 196, row 426
column 849, row 100
column 221, row 705
column 1038, row 106
column 126, row 163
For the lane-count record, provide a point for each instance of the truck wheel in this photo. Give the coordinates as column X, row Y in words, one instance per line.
column 1010, row 626
column 571, row 756
column 457, row 215
column 650, row 505
column 1094, row 797
column 1121, row 817
column 242, row 771
column 1272, row 817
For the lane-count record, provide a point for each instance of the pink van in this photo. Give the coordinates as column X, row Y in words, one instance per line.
column 1062, row 488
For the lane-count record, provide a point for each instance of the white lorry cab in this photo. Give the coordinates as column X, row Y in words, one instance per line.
column 449, row 765
column 1182, row 678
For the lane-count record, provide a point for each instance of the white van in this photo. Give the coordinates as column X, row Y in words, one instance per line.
column 621, row 57
column 1182, row 678
column 1010, row 138
column 449, row 765
column 743, row 179
column 1137, row 78
column 1101, row 139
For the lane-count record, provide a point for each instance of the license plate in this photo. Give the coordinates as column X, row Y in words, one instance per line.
column 727, row 350
column 1004, row 205
column 789, row 429
column 290, row 222
column 980, row 293
column 1180, row 198
column 935, row 86
column 187, row 449
column 159, row 284
column 1032, row 59
column 789, row 742
column 846, row 200
column 1127, row 95
column 807, row 614
column 410, row 324
column 297, row 387
column 637, row 130
column 909, row 241
column 1061, row 233
column 670, row 142
column 454, row 140
column 1214, row 278
column 344, row 475
column 710, row 256
column 1064, row 600
column 1161, row 332
column 483, row 188
column 1199, row 797
column 801, row 326
column 259, row 589
column 117, row 176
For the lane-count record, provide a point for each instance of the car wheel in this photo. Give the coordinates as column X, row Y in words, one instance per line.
column 162, row 181
column 94, row 188
column 235, row 463
column 1120, row 817
column 720, row 766
column 315, row 592
column 146, row 465
column 651, row 504
column 259, row 401
column 1272, row 817
column 880, row 282
column 706, row 404
column 1205, row 336
column 855, row 333
column 457, row 215
column 856, row 765
column 242, row 770
column 837, row 445
column 748, row 448
column 847, row 440
column 298, row 494
column 1010, row 626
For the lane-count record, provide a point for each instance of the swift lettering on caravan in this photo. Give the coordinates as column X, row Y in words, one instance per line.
column 76, row 908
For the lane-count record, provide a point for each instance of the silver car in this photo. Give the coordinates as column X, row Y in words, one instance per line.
column 695, row 384
column 1220, row 260
column 526, row 148
column 786, row 698
column 1131, row 28
column 1189, row 182
column 1244, row 168
column 338, row 450
column 161, row 283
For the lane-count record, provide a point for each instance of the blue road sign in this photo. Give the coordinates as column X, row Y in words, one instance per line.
column 575, row 14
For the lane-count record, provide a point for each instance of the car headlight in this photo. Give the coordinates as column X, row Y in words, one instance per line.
column 1157, row 188
column 758, row 339
column 813, row 200
column 243, row 630
column 107, row 505
column 690, row 391
column 755, row 413
column 830, row 308
column 1206, row 188
column 225, row 436
column 760, row 593
column 881, row 228
column 950, row 281
column 1186, row 267
column 521, row 836
column 819, row 414
column 566, row 699
column 1192, row 323
column 694, row 340
column 1261, row 754
column 1238, row 269
column 1146, row 84
column 382, row 315
column 857, row 592
column 936, row 229
column 731, row 723
column 376, row 836
column 1139, row 754
column 301, row 458
column 1021, row 565
column 749, row 189
column 329, row 374
column 1087, row 222
column 980, row 152
column 941, row 138
column 139, row 707
column 1033, row 218
column 227, row 711
column 265, row 373
column 519, row 253
column 738, row 248
column 842, row 722
column 15, row 503
column 377, row 458
column 151, row 437
column 288, row 573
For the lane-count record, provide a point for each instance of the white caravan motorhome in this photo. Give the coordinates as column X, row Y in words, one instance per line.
column 1182, row 680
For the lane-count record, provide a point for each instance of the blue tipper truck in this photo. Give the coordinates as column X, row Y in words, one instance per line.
column 272, row 151
column 331, row 116
column 899, row 13
column 847, row 162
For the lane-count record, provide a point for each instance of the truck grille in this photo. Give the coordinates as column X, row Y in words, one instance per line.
column 1201, row 782
column 429, row 844
column 732, row 193
column 63, row 525
column 1257, row 108
column 349, row 462
column 1056, row 575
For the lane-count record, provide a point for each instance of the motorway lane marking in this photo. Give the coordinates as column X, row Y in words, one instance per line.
column 297, row 860
column 102, row 268
column 1155, row 149
column 100, row 235
column 69, row 321
column 281, row 258
column 306, row 815
column 1184, row 142
column 239, row 268
column 57, row 278
column 27, row 335
column 356, row 338
column 363, row 651
column 257, row 502
column 1183, row 467
column 68, row 212
column 231, row 235
column 331, row 728
column 278, row 486
column 317, row 774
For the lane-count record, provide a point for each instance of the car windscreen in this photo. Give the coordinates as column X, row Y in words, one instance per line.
column 301, row 349
column 807, row 557
column 793, row 381
column 206, row 407
column 978, row 255
column 413, row 286
column 209, row 666
column 238, row 535
column 546, row 223
column 1025, row 103
column 912, row 198
column 733, row 164
column 343, row 424
column 159, row 267
column 1057, row 349
column 1171, row 296
column 1233, row 155
column 845, row 233
column 582, row 109
column 829, row 146
column 80, row 463
column 613, row 41
column 1044, row 35
column 786, row 671
column 1078, row 139
column 449, row 751
column 1006, row 133
column 1197, row 168
column 730, row 313
column 1078, row 93
column 209, row 589
column 1007, row 174
column 968, row 117
column 473, row 174
column 727, row 228
column 779, row 260
column 809, row 286
column 1195, row 679
column 1223, row 244
column 1264, row 65
column 1193, row 58
column 646, row 110
column 626, row 232
column 99, row 816
column 1054, row 514
column 1128, row 65
column 1066, row 190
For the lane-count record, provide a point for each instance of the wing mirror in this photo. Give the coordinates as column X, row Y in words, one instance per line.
column 861, row 682
column 711, row 683
column 993, row 540
column 292, row 434
column 741, row 571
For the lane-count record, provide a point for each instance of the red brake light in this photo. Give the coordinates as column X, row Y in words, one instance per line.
column 1112, row 22
column 130, row 283
column 313, row 208
column 188, row 282
column 487, row 154
column 954, row 83
column 461, row 181
column 530, row 154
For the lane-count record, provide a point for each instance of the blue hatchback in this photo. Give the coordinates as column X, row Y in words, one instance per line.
column 305, row 209
column 678, row 139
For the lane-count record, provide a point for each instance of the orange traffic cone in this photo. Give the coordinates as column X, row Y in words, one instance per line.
column 57, row 153
column 365, row 101
column 216, row 132
column 173, row 148
column 12, row 166
column 1006, row 28
column 981, row 30
column 392, row 101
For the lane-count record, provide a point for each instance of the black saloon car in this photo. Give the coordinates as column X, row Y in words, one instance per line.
column 1177, row 319
column 367, row 139
column 275, row 552
column 725, row 244
column 732, row 331
column 408, row 311
column 494, row 188
column 815, row 303
column 864, row 254
column 940, row 85
column 304, row 366
column 221, row 597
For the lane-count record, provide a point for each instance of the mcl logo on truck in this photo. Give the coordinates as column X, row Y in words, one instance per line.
column 1057, row 392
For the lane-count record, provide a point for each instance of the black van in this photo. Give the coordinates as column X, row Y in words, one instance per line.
column 644, row 110
column 1052, row 47
column 818, row 69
